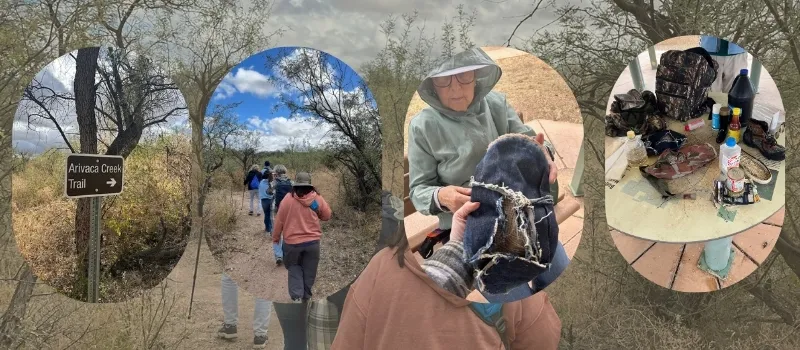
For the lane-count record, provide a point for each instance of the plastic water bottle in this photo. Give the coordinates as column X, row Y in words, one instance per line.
column 742, row 95
column 729, row 155
column 715, row 124
column 637, row 154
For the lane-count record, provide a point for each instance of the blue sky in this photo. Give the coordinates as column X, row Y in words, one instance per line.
column 256, row 83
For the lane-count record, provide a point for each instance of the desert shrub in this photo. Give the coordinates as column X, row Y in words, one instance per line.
column 144, row 230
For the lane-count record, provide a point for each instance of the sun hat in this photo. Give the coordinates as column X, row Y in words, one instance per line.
column 458, row 70
column 302, row 179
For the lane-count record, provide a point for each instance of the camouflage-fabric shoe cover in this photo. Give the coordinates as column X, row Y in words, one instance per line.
column 635, row 111
column 676, row 164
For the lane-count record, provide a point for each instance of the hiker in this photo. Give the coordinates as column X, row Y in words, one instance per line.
column 266, row 193
column 252, row 181
column 283, row 185
column 230, row 310
column 396, row 303
column 447, row 140
column 298, row 220
column 730, row 57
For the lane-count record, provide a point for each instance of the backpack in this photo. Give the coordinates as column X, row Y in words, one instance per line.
column 492, row 314
column 254, row 182
column 683, row 79
column 282, row 187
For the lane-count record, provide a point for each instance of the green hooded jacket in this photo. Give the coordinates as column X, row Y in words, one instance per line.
column 445, row 146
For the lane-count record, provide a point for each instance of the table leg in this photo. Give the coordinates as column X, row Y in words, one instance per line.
column 636, row 74
column 651, row 51
column 717, row 254
column 755, row 74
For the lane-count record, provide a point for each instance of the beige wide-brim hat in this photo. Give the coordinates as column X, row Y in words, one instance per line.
column 302, row 179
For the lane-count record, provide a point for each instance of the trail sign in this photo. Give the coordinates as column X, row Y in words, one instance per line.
column 93, row 175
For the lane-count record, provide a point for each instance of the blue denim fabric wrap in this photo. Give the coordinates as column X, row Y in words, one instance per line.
column 517, row 163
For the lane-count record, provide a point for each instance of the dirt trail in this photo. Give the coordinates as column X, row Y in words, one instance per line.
column 252, row 263
column 207, row 308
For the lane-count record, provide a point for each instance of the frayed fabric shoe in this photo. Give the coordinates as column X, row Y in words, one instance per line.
column 228, row 331
column 757, row 136
column 512, row 237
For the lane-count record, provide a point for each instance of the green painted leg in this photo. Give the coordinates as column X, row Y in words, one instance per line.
column 636, row 74
column 651, row 51
column 755, row 74
column 576, row 185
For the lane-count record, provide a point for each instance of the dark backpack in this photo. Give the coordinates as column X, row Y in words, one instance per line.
column 683, row 79
column 492, row 314
column 282, row 188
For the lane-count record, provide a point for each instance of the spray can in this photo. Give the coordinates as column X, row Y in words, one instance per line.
column 715, row 124
column 694, row 124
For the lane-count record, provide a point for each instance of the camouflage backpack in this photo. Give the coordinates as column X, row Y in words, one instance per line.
column 634, row 110
column 676, row 164
column 683, row 79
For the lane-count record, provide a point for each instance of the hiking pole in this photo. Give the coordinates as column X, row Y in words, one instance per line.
column 196, row 262
column 245, row 190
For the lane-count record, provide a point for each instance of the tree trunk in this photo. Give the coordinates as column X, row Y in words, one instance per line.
column 11, row 321
column 85, row 99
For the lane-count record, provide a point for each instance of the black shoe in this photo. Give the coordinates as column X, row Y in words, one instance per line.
column 228, row 331
column 250, row 213
column 279, row 262
column 296, row 300
column 260, row 341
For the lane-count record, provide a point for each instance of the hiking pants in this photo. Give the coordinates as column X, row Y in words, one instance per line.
column 230, row 307
column 254, row 196
column 266, row 205
column 729, row 67
column 557, row 266
column 302, row 261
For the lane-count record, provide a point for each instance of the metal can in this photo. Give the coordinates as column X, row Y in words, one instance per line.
column 735, row 181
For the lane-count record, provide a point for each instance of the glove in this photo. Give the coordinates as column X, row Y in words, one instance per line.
column 314, row 205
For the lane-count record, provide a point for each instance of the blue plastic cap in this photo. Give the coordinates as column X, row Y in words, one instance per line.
column 730, row 142
column 743, row 71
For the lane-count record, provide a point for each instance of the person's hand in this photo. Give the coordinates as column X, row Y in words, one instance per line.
column 460, row 220
column 453, row 197
column 553, row 168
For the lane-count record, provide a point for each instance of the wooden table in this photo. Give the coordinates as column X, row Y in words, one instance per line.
column 635, row 208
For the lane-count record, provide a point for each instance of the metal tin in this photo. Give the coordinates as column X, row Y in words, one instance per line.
column 735, row 181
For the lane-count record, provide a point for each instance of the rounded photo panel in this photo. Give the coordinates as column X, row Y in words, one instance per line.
column 497, row 127
column 695, row 165
column 292, row 150
column 101, row 193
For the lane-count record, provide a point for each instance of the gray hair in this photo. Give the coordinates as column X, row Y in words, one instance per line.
column 280, row 169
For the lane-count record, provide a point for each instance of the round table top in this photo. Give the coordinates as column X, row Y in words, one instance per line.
column 634, row 207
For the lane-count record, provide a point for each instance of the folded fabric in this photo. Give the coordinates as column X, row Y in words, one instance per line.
column 511, row 238
column 637, row 111
column 660, row 141
column 676, row 164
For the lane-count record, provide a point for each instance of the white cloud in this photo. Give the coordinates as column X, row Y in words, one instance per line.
column 245, row 80
column 279, row 132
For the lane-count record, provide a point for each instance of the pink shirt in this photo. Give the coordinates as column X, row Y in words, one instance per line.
column 297, row 221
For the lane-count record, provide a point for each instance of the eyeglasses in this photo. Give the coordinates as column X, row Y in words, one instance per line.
column 463, row 78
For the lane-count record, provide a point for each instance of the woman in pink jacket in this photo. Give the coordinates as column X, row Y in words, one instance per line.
column 298, row 220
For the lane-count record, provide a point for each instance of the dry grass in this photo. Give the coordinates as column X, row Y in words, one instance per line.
column 44, row 221
column 531, row 85
column 680, row 42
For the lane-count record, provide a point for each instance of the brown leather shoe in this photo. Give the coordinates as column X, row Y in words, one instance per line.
column 756, row 136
